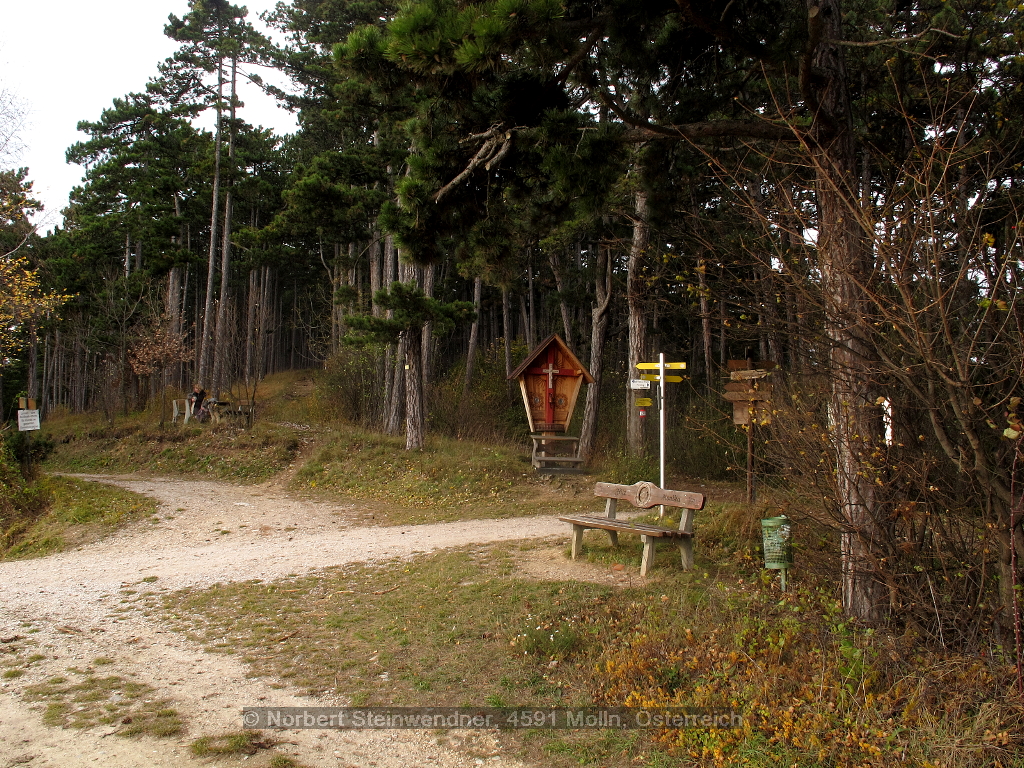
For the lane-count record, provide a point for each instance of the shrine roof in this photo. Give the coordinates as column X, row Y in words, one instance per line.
column 542, row 348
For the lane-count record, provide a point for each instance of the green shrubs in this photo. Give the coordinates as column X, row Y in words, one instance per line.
column 22, row 502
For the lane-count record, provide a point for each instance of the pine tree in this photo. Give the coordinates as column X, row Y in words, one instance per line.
column 412, row 311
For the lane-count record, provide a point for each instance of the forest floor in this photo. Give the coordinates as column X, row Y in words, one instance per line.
column 71, row 612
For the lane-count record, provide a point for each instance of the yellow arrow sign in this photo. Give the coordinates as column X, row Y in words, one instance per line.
column 656, row 366
column 644, row 401
column 656, row 377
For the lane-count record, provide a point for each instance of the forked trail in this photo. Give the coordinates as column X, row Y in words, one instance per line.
column 206, row 532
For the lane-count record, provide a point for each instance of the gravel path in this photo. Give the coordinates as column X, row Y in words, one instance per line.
column 206, row 533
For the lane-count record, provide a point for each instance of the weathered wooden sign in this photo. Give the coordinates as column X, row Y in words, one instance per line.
column 749, row 394
column 550, row 379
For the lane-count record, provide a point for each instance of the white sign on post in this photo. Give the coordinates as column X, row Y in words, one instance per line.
column 28, row 421
column 639, row 384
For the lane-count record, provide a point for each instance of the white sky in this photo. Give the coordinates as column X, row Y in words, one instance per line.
column 67, row 60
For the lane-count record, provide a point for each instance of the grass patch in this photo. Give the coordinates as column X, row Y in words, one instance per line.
column 79, row 512
column 449, row 480
column 226, row 451
column 89, row 700
column 229, row 451
column 235, row 743
column 449, row 629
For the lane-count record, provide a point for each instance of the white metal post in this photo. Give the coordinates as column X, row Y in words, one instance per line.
column 661, row 419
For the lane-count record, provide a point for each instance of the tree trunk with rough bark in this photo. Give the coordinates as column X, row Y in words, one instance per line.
column 413, row 394
column 205, row 335
column 637, row 303
column 598, row 333
column 427, row 275
column 506, row 329
column 474, row 336
column 705, row 324
column 221, row 351
column 843, row 255
column 554, row 258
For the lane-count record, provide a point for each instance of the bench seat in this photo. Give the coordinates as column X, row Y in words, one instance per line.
column 589, row 521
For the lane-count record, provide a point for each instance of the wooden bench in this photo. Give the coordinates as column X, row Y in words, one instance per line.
column 644, row 496
column 181, row 409
column 224, row 408
column 217, row 409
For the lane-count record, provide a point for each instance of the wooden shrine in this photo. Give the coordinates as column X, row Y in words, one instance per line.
column 550, row 379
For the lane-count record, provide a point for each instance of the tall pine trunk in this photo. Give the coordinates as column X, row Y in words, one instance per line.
column 705, row 324
column 206, row 332
column 598, row 333
column 427, row 273
column 843, row 255
column 506, row 330
column 413, row 393
column 637, row 303
column 221, row 366
column 474, row 336
column 555, row 260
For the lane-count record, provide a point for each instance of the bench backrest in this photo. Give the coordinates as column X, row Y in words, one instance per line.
column 646, row 495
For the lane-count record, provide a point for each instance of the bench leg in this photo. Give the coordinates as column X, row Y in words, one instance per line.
column 648, row 558
column 577, row 540
column 686, row 553
column 614, row 536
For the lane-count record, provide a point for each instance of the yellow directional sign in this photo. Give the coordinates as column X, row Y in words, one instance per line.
column 656, row 366
column 656, row 377
column 644, row 401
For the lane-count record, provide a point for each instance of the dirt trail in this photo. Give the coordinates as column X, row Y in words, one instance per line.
column 206, row 533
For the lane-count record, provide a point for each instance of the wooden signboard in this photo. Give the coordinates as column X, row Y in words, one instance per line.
column 749, row 394
column 550, row 379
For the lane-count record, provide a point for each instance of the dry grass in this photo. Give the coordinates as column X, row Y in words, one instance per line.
column 450, row 629
column 85, row 699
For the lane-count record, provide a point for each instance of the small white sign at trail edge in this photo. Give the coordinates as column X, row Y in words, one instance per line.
column 639, row 384
column 28, row 421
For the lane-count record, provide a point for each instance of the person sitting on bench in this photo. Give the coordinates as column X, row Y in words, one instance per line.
column 195, row 403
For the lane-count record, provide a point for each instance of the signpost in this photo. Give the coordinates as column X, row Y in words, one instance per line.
column 662, row 378
column 28, row 421
column 751, row 400
column 28, row 416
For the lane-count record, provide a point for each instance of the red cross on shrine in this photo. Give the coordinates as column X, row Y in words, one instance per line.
column 550, row 371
